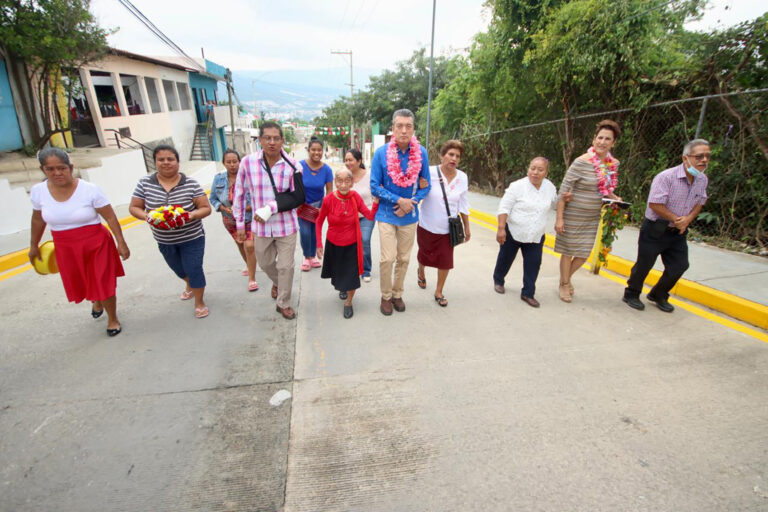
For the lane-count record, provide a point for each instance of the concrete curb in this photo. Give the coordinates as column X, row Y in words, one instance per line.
column 18, row 258
column 731, row 305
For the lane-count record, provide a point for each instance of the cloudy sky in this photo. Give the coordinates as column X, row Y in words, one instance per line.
column 295, row 34
column 299, row 34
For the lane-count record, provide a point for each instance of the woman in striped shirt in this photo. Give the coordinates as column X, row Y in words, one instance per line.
column 182, row 247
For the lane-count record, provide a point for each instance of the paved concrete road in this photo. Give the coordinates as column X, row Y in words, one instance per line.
column 487, row 404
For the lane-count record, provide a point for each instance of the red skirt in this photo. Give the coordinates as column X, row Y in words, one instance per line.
column 434, row 250
column 231, row 227
column 88, row 262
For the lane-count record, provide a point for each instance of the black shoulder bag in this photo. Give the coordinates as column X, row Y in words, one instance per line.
column 289, row 199
column 455, row 225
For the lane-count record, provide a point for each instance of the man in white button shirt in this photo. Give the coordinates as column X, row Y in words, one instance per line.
column 522, row 219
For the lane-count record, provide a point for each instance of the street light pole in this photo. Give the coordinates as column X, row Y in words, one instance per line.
column 431, row 62
column 351, row 94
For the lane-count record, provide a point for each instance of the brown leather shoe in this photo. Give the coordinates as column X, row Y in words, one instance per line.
column 530, row 301
column 273, row 293
column 398, row 304
column 288, row 313
column 386, row 307
column 499, row 288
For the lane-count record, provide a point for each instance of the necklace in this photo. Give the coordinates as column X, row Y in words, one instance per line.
column 414, row 163
column 344, row 201
column 607, row 172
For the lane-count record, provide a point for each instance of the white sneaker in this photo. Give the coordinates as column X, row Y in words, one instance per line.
column 366, row 279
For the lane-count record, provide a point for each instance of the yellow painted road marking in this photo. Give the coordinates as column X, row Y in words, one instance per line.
column 19, row 258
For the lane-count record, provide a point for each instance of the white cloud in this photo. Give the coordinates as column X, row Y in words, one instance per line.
column 298, row 34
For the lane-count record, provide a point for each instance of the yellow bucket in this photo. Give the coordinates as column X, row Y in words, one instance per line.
column 47, row 263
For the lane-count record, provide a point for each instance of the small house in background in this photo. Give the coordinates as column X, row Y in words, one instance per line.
column 128, row 99
column 210, row 139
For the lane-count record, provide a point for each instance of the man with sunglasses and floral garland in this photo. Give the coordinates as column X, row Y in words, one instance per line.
column 396, row 170
column 676, row 199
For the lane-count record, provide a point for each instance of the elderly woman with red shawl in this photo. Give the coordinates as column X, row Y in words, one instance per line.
column 343, row 253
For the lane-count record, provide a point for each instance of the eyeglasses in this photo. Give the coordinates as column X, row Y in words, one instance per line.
column 700, row 157
column 343, row 180
column 269, row 139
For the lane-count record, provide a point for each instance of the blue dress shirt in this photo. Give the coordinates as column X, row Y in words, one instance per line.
column 388, row 193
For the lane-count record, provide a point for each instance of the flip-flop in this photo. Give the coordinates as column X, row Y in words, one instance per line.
column 114, row 332
column 201, row 312
column 253, row 286
column 186, row 295
column 244, row 272
column 96, row 314
column 422, row 282
column 442, row 301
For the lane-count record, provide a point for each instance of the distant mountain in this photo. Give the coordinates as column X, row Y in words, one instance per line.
column 294, row 93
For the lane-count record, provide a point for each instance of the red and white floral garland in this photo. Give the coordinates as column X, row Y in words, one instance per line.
column 607, row 172
column 414, row 163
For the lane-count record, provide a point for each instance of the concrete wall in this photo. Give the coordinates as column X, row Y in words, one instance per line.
column 183, row 131
column 15, row 209
column 117, row 176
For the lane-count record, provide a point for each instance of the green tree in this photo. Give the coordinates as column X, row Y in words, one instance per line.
column 592, row 54
column 50, row 40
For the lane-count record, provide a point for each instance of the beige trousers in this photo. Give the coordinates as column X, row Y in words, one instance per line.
column 396, row 244
column 275, row 257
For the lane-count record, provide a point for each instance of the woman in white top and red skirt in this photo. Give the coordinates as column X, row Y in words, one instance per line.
column 435, row 249
column 85, row 251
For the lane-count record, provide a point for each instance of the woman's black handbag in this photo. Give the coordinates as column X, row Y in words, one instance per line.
column 290, row 199
column 455, row 225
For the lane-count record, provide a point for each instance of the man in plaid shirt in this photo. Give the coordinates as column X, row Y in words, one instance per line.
column 274, row 232
column 676, row 199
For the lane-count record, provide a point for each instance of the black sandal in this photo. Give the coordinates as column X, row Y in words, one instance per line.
column 422, row 281
column 96, row 314
column 114, row 332
column 442, row 301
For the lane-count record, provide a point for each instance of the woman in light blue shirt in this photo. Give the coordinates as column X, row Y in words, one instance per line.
column 221, row 197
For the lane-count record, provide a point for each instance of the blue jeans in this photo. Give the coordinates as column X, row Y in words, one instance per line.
column 307, row 236
column 186, row 260
column 531, row 262
column 366, row 230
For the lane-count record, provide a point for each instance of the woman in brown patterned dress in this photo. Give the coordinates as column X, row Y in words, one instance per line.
column 591, row 177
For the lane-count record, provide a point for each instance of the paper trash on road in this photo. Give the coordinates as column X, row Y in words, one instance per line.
column 279, row 397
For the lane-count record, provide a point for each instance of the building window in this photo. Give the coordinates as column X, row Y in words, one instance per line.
column 186, row 103
column 154, row 99
column 105, row 93
column 132, row 94
column 170, row 95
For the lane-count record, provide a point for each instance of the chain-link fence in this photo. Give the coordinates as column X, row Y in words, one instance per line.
column 736, row 125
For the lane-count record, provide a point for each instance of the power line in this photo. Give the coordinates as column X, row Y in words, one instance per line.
column 158, row 33
column 354, row 20
column 663, row 4
column 618, row 111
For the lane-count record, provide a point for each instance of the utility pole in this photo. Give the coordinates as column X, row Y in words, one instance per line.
column 431, row 62
column 228, row 76
column 351, row 85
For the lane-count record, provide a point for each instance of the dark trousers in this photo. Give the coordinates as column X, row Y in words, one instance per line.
column 531, row 262
column 673, row 248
